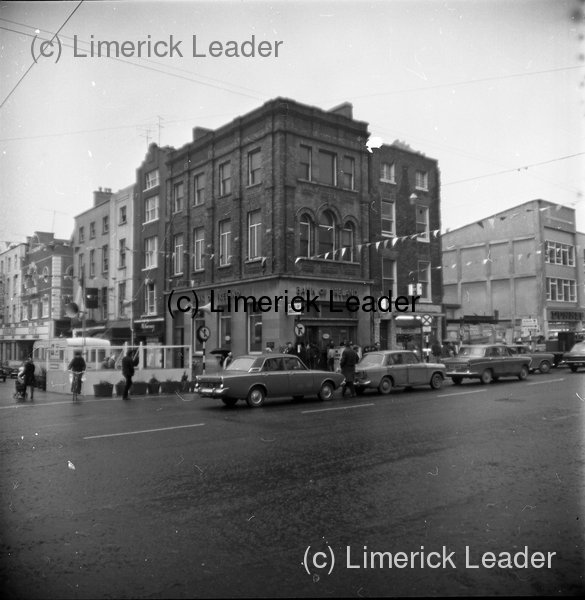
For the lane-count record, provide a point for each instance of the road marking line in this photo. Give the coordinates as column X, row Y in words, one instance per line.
column 547, row 381
column 84, row 400
column 461, row 393
column 105, row 435
column 306, row 412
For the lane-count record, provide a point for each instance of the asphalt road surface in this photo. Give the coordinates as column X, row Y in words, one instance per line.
column 468, row 490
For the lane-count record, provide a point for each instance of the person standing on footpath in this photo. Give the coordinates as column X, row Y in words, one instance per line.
column 29, row 377
column 128, row 364
column 331, row 357
column 347, row 362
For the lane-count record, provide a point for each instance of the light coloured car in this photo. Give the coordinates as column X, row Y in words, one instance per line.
column 388, row 369
column 487, row 362
column 539, row 361
column 256, row 377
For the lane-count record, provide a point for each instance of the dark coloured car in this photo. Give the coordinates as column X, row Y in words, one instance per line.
column 257, row 377
column 384, row 370
column 539, row 361
column 12, row 367
column 486, row 362
column 575, row 358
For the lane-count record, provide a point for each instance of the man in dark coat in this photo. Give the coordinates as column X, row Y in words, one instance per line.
column 347, row 362
column 29, row 377
column 128, row 364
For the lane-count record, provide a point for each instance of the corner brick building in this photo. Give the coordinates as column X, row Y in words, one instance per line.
column 287, row 200
column 272, row 203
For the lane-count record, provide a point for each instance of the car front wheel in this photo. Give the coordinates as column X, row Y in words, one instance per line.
column 436, row 381
column 326, row 391
column 256, row 397
column 573, row 368
column 385, row 386
column 487, row 376
column 229, row 401
column 523, row 373
column 457, row 380
column 544, row 366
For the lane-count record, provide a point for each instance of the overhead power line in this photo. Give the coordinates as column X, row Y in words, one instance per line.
column 517, row 169
column 34, row 63
column 468, row 82
column 221, row 86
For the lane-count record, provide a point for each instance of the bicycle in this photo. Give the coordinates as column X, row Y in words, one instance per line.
column 76, row 379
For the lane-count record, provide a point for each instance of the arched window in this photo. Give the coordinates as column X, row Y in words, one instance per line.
column 307, row 227
column 347, row 242
column 327, row 234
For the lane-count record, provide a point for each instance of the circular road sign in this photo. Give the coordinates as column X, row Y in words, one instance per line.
column 203, row 333
column 427, row 320
column 299, row 329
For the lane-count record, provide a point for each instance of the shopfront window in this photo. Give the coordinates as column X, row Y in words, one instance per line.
column 255, row 332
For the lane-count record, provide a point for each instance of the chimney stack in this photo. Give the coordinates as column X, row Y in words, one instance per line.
column 101, row 195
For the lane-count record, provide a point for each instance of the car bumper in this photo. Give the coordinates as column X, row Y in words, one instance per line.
column 211, row 392
column 362, row 383
column 466, row 373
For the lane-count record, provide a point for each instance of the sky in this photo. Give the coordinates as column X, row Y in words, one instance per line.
column 492, row 89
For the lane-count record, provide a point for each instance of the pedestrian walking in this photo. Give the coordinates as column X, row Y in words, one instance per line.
column 29, row 377
column 348, row 361
column 128, row 364
column 302, row 354
column 436, row 351
column 228, row 360
column 331, row 357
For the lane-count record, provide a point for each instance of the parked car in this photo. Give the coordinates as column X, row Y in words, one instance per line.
column 12, row 367
column 384, row 370
column 540, row 361
column 575, row 358
column 487, row 362
column 255, row 378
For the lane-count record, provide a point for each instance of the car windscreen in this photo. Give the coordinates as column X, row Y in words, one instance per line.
column 372, row 359
column 243, row 363
column 471, row 351
column 579, row 347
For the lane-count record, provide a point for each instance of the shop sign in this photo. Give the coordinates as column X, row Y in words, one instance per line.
column 336, row 294
column 565, row 315
column 474, row 330
column 530, row 323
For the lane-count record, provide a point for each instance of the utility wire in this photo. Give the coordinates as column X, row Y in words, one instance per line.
column 468, row 82
column 142, row 58
column 523, row 168
column 149, row 68
column 34, row 63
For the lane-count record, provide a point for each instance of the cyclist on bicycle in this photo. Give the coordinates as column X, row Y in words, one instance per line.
column 77, row 367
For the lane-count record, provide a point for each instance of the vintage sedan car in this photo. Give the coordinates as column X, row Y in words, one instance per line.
column 384, row 370
column 12, row 367
column 255, row 378
column 540, row 361
column 575, row 358
column 487, row 362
